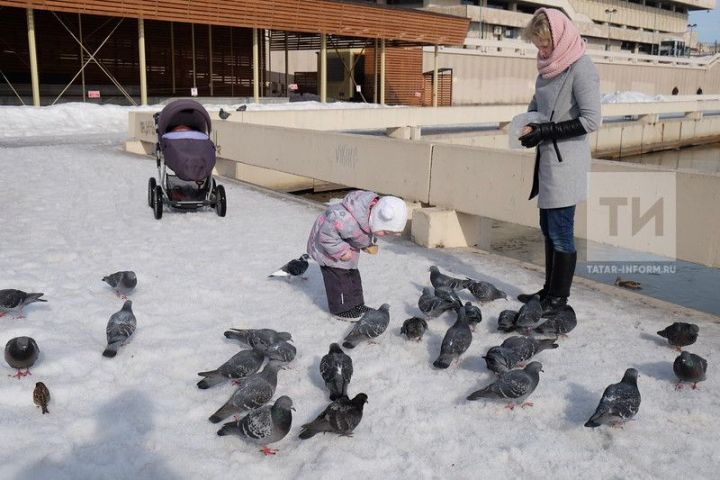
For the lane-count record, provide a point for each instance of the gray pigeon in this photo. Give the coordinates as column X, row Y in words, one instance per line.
column 12, row 300
column 514, row 385
column 371, row 325
column 342, row 417
column 414, row 328
column 500, row 359
column 689, row 368
column 336, row 369
column 456, row 341
column 223, row 114
column 473, row 315
column 293, row 268
column 530, row 313
column 433, row 306
column 21, row 352
column 258, row 338
column 241, row 108
column 438, row 279
column 485, row 291
column 561, row 322
column 242, row 364
column 527, row 347
column 119, row 329
column 122, row 282
column 619, row 403
column 449, row 295
column 281, row 351
column 254, row 391
column 680, row 334
column 263, row 426
column 506, row 320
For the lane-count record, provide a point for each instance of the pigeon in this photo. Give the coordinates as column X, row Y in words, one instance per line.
column 414, row 328
column 242, row 364
column 530, row 313
column 561, row 322
column 336, row 369
column 293, row 268
column 254, row 391
column 263, row 337
column 438, row 279
column 342, row 416
column 281, row 351
column 263, row 426
column 223, row 114
column 689, row 368
column 473, row 315
column 513, row 385
column 448, row 294
column 506, row 320
column 371, row 325
column 456, row 341
column 241, row 108
column 119, row 329
column 21, row 352
column 680, row 334
column 41, row 397
column 433, row 306
column 12, row 300
column 501, row 359
column 485, row 291
column 630, row 284
column 527, row 347
column 122, row 282
column 619, row 403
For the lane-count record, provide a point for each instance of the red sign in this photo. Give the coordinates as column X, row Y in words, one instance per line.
column 93, row 93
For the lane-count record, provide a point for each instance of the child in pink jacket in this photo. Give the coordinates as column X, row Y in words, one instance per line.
column 337, row 237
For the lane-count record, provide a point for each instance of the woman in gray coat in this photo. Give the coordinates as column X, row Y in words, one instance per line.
column 567, row 93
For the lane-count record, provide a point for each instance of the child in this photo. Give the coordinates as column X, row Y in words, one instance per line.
column 337, row 237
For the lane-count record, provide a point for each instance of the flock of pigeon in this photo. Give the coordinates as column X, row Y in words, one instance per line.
column 255, row 369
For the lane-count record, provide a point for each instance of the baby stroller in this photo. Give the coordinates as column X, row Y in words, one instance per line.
column 185, row 158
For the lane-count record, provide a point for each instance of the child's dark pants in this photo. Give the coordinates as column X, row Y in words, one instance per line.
column 343, row 289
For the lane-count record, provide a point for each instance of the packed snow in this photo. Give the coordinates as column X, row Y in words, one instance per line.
column 76, row 210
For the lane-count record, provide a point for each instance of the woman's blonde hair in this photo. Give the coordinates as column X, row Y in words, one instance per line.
column 538, row 27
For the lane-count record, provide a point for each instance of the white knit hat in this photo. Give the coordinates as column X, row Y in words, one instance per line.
column 388, row 214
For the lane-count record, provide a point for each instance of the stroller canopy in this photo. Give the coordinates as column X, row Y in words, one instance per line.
column 184, row 112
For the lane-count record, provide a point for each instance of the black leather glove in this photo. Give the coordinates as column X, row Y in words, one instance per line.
column 551, row 131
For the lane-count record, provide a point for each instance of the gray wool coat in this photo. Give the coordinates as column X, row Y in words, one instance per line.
column 575, row 93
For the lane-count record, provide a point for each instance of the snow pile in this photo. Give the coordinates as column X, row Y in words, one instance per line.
column 630, row 97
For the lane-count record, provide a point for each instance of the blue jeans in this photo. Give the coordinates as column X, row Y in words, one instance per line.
column 558, row 224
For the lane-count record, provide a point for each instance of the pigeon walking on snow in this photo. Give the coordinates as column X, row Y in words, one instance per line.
column 336, row 369
column 281, row 351
column 241, row 108
column 223, row 114
column 530, row 313
column 433, row 306
column 242, row 364
column 342, row 417
column 41, row 397
column 680, row 334
column 123, row 282
column 506, row 321
column 254, row 391
column 371, row 325
column 514, row 386
column 119, row 329
column 21, row 352
column 293, row 268
column 456, row 341
column 263, row 426
column 501, row 359
column 414, row 328
column 619, row 403
column 528, row 347
column 561, row 322
column 485, row 291
column 438, row 279
column 690, row 368
column 12, row 300
column 473, row 315
column 262, row 337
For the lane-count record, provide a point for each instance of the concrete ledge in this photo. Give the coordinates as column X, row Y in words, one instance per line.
column 442, row 228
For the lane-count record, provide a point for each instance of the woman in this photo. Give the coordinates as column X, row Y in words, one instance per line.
column 567, row 93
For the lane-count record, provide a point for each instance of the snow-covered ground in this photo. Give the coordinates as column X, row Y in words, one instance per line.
column 75, row 210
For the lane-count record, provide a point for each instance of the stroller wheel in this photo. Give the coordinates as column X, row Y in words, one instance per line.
column 151, row 189
column 220, row 201
column 158, row 202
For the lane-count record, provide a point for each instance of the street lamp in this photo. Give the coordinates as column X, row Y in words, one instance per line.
column 609, row 12
column 690, row 26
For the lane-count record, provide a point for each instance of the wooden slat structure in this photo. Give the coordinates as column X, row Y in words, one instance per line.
column 403, row 75
column 317, row 16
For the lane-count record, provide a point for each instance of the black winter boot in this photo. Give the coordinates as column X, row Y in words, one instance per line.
column 549, row 254
column 561, row 279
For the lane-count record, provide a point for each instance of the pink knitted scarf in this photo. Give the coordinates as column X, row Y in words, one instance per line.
column 568, row 46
